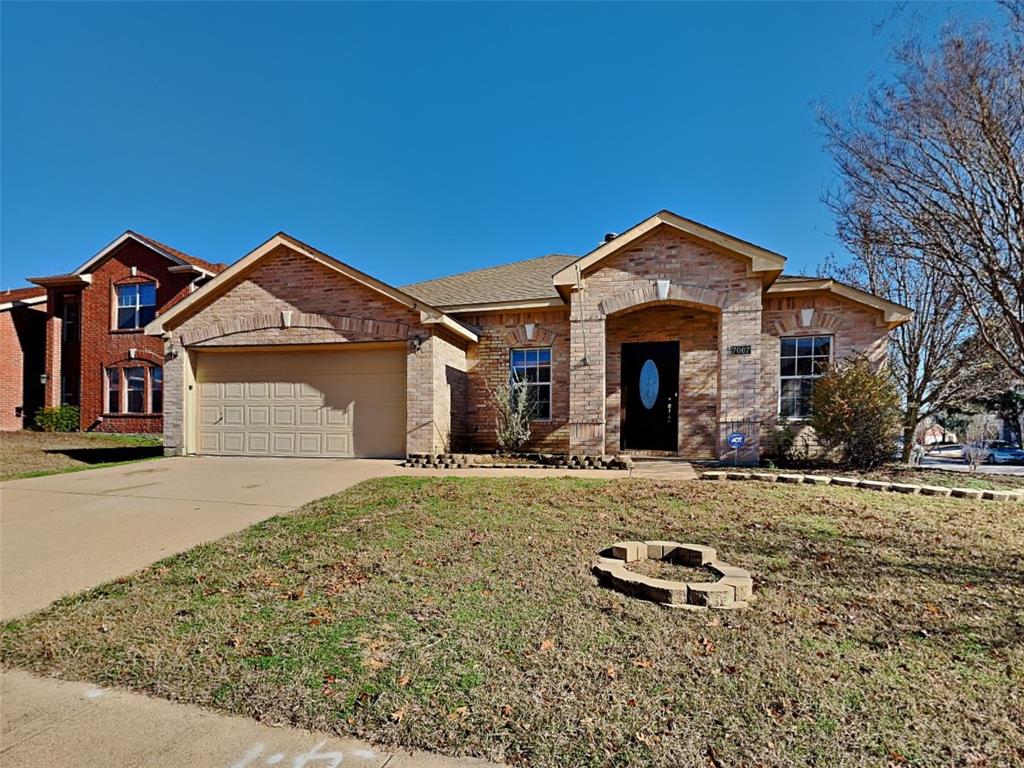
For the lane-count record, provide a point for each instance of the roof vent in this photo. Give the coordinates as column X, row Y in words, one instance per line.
column 609, row 236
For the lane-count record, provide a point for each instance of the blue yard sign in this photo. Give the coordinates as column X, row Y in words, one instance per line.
column 736, row 440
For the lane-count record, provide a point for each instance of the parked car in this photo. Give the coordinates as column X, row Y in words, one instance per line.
column 999, row 452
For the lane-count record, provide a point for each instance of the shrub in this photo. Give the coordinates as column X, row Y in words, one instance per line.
column 62, row 418
column 782, row 444
column 856, row 410
column 512, row 416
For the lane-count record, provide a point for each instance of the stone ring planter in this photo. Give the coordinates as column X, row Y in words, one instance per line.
column 733, row 589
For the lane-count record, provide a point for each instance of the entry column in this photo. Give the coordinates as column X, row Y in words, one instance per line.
column 586, row 376
column 739, row 385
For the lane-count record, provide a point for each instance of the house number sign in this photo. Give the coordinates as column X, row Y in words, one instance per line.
column 739, row 349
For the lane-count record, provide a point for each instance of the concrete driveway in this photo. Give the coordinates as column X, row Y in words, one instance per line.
column 64, row 533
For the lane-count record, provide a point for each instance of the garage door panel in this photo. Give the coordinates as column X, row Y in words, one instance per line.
column 332, row 403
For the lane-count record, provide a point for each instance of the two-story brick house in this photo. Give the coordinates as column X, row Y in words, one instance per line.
column 97, row 355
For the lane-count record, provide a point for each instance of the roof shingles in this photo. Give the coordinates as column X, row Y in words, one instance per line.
column 528, row 280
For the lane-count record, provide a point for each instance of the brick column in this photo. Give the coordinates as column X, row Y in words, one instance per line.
column 419, row 403
column 52, row 363
column 587, row 376
column 175, row 399
column 739, row 384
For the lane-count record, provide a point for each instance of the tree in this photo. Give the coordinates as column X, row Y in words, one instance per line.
column 932, row 172
column 935, row 359
column 856, row 410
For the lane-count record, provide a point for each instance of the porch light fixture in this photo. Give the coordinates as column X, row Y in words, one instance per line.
column 662, row 286
column 530, row 329
column 43, row 378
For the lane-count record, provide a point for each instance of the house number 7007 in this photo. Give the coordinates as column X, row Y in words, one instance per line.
column 739, row 349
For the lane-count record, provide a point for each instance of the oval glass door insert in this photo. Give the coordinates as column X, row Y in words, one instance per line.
column 649, row 382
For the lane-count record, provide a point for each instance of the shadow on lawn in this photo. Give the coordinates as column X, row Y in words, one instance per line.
column 109, row 455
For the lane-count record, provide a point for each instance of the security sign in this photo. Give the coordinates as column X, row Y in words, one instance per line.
column 736, row 440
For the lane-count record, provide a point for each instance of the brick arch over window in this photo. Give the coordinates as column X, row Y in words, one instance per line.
column 791, row 324
column 288, row 319
column 677, row 294
column 141, row 356
column 542, row 337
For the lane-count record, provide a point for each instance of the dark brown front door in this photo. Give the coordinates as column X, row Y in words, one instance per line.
column 650, row 396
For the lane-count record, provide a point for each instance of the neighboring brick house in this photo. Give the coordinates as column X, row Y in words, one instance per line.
column 22, row 341
column 662, row 341
column 95, row 351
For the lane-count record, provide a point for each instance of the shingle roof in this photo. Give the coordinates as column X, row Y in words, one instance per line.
column 20, row 294
column 518, row 281
column 196, row 262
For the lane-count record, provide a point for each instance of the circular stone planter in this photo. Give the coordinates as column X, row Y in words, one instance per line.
column 733, row 589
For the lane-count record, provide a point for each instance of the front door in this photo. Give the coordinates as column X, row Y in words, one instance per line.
column 650, row 396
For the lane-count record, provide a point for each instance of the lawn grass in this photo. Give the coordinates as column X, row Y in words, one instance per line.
column 33, row 454
column 459, row 615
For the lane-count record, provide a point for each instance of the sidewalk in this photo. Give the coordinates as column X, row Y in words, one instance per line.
column 46, row 723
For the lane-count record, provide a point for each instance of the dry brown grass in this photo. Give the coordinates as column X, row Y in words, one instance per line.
column 460, row 616
column 29, row 454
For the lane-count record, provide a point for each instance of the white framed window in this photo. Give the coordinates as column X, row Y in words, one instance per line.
column 134, row 389
column 530, row 373
column 136, row 305
column 802, row 360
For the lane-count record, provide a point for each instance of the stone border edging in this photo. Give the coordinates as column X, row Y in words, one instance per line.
column 870, row 485
column 732, row 590
column 534, row 461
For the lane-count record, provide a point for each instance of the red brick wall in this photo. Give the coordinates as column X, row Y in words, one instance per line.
column 22, row 340
column 101, row 346
column 503, row 331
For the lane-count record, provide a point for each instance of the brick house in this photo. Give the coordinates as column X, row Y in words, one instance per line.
column 664, row 340
column 22, row 341
column 96, row 354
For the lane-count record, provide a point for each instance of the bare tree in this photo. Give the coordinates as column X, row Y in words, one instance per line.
column 932, row 172
column 935, row 359
column 980, row 430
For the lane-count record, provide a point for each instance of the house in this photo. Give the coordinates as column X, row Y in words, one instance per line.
column 22, row 340
column 95, row 352
column 663, row 340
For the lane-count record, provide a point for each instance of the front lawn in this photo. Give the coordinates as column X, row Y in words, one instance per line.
column 31, row 454
column 459, row 615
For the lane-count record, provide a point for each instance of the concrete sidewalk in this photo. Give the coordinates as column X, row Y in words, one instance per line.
column 50, row 723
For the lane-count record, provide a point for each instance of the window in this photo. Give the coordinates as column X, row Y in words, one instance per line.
column 136, row 305
column 113, row 390
column 69, row 328
column 531, row 371
column 135, row 389
column 802, row 359
column 156, row 382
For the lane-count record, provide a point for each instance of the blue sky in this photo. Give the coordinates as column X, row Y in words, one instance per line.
column 419, row 140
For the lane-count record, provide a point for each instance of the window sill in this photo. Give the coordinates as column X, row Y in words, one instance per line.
column 132, row 415
column 125, row 331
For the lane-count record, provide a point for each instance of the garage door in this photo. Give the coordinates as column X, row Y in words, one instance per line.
column 323, row 403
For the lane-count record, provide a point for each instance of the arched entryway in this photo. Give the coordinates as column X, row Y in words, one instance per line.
column 662, row 381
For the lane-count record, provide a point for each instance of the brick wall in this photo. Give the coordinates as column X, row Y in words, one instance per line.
column 100, row 345
column 697, row 334
column 501, row 332
column 22, row 346
column 288, row 298
column 700, row 276
column 855, row 330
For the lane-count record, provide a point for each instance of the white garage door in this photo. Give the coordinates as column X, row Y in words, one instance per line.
column 308, row 403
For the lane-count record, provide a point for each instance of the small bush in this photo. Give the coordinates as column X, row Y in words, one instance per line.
column 856, row 410
column 513, row 411
column 782, row 445
column 63, row 418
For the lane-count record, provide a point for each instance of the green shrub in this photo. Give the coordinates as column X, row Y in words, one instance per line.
column 856, row 410
column 782, row 446
column 63, row 418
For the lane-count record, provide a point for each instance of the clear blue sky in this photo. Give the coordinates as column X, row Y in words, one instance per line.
column 419, row 140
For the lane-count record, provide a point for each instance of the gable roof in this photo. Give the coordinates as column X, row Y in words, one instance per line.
column 524, row 281
column 180, row 311
column 21, row 297
column 761, row 260
column 892, row 314
column 206, row 266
